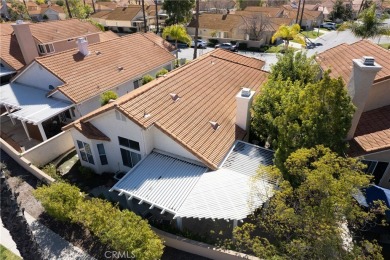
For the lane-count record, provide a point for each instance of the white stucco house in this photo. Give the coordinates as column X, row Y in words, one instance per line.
column 181, row 136
column 69, row 84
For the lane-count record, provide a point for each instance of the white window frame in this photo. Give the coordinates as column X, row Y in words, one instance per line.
column 83, row 149
column 47, row 48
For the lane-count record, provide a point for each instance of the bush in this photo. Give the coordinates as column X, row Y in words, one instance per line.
column 51, row 170
column 146, row 79
column 60, row 199
column 243, row 46
column 161, row 72
column 121, row 230
column 86, row 172
column 60, row 2
column 212, row 42
column 107, row 96
column 264, row 48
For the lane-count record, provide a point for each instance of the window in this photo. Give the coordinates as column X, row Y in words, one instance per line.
column 377, row 169
column 51, row 87
column 129, row 143
column 85, row 152
column 45, row 48
column 137, row 83
column 102, row 154
column 129, row 158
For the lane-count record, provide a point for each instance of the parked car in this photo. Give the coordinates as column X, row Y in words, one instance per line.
column 199, row 44
column 180, row 45
column 227, row 46
column 329, row 25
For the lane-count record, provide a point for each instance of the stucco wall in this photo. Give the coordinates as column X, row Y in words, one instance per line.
column 111, row 127
column 49, row 150
column 37, row 76
column 379, row 95
column 383, row 156
column 165, row 143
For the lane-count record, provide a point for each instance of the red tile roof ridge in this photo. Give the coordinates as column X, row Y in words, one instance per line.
column 243, row 64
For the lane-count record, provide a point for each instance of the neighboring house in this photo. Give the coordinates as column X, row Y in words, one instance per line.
column 76, row 79
column 44, row 12
column 370, row 132
column 11, row 57
column 178, row 139
column 127, row 19
column 235, row 26
column 269, row 11
column 310, row 19
column 40, row 39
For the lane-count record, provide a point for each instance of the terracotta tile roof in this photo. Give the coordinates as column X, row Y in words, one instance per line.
column 90, row 131
column 307, row 14
column 240, row 59
column 57, row 8
column 101, row 14
column 160, row 41
column 85, row 77
column 276, row 22
column 372, row 132
column 108, row 35
column 339, row 59
column 124, row 13
column 10, row 52
column 207, row 88
column 271, row 11
column 6, row 28
column 52, row 31
column 220, row 22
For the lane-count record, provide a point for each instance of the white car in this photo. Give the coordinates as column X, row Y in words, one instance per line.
column 200, row 44
column 329, row 26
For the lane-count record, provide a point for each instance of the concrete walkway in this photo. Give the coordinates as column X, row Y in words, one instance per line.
column 6, row 240
column 53, row 246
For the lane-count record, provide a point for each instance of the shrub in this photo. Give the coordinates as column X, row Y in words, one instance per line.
column 51, row 170
column 243, row 46
column 107, row 96
column 161, row 72
column 86, row 172
column 121, row 230
column 60, row 2
column 212, row 42
column 60, row 199
column 146, row 79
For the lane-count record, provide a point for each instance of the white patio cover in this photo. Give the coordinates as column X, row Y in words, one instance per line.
column 185, row 189
column 5, row 71
column 31, row 103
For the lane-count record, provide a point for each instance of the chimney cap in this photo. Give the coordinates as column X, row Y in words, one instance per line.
column 368, row 60
column 245, row 92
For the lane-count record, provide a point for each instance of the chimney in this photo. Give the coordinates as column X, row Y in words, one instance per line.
column 82, row 43
column 244, row 101
column 359, row 86
column 25, row 40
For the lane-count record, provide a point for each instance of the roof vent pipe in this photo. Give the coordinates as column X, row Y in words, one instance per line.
column 82, row 43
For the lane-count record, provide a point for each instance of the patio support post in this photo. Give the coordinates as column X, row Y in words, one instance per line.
column 129, row 202
column 179, row 223
column 42, row 131
column 9, row 113
column 26, row 130
column 234, row 226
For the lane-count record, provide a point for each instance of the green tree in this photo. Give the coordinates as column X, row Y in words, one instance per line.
column 107, row 96
column 288, row 33
column 59, row 199
column 314, row 217
column 292, row 115
column 295, row 66
column 178, row 33
column 39, row 2
column 78, row 9
column 146, row 79
column 338, row 11
column 368, row 26
column 179, row 11
column 60, row 2
column 18, row 11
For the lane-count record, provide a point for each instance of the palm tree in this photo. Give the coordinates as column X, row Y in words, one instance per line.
column 288, row 33
column 176, row 32
column 368, row 26
column 196, row 30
